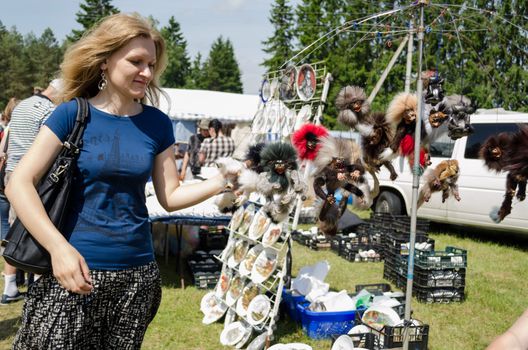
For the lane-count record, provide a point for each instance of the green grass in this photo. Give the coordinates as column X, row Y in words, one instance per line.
column 496, row 287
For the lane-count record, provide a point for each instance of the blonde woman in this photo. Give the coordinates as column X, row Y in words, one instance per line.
column 105, row 287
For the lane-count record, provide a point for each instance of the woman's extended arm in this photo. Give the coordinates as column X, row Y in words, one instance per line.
column 170, row 194
column 69, row 266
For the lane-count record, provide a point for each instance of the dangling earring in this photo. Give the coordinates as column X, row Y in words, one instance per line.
column 102, row 83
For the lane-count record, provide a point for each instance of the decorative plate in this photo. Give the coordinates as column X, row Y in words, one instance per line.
column 303, row 117
column 265, row 91
column 291, row 118
column 271, row 235
column 259, row 225
column 249, row 292
column 245, row 338
column 246, row 219
column 212, row 308
column 306, row 83
column 344, row 342
column 236, row 219
column 223, row 284
column 246, row 265
column 235, row 290
column 287, row 84
column 258, row 343
column 239, row 252
column 379, row 316
column 264, row 265
column 232, row 333
column 228, row 250
column 259, row 122
column 258, row 309
column 274, row 87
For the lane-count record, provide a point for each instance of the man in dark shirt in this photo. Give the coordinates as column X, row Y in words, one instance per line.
column 191, row 158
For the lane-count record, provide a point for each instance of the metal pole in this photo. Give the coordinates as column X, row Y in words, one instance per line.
column 416, row 178
column 409, row 58
column 317, row 121
column 387, row 70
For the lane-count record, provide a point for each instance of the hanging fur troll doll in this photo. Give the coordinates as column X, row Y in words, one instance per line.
column 401, row 114
column 337, row 167
column 376, row 143
column 354, row 109
column 443, row 178
column 508, row 152
column 280, row 182
column 306, row 140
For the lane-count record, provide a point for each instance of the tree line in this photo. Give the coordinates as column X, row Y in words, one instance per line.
column 479, row 47
column 30, row 61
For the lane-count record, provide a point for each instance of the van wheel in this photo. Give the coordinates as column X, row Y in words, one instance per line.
column 388, row 203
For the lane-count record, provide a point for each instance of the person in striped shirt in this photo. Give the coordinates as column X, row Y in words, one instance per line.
column 26, row 119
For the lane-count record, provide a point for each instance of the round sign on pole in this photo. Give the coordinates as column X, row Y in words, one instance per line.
column 287, row 84
column 306, row 83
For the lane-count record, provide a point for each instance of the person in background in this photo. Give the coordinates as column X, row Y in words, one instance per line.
column 4, row 203
column 26, row 119
column 105, row 287
column 217, row 146
column 191, row 159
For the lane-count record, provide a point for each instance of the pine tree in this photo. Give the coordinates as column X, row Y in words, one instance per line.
column 43, row 57
column 309, row 28
column 221, row 71
column 14, row 80
column 178, row 61
column 92, row 11
column 195, row 78
column 280, row 45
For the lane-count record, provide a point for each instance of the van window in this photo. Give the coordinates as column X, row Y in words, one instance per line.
column 482, row 132
column 442, row 147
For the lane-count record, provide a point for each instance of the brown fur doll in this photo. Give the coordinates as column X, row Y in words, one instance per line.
column 443, row 178
column 337, row 167
column 508, row 152
column 376, row 143
column 354, row 109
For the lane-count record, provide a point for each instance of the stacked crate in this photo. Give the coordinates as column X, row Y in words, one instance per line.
column 353, row 246
column 205, row 268
column 439, row 276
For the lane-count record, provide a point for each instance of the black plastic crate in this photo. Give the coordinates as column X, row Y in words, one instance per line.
column 454, row 278
column 451, row 257
column 361, row 340
column 213, row 238
column 374, row 288
column 438, row 295
column 205, row 280
column 208, row 265
column 393, row 337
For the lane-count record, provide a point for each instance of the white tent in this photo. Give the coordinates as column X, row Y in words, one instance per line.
column 203, row 104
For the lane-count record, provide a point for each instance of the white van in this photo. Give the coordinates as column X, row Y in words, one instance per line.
column 480, row 189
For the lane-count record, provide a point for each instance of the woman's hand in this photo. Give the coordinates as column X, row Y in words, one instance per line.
column 70, row 270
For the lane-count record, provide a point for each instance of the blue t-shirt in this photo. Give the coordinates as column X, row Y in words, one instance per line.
column 108, row 218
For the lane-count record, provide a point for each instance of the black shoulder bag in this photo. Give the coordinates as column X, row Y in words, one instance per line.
column 21, row 249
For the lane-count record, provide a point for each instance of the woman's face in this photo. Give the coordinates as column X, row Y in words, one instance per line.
column 130, row 69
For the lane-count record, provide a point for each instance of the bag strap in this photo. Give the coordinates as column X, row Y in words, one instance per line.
column 74, row 141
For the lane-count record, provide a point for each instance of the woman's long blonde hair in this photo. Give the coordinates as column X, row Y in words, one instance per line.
column 81, row 67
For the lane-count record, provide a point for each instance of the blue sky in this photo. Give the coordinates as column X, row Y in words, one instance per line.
column 244, row 22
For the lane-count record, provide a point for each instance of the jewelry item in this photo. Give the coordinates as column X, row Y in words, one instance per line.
column 102, row 83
